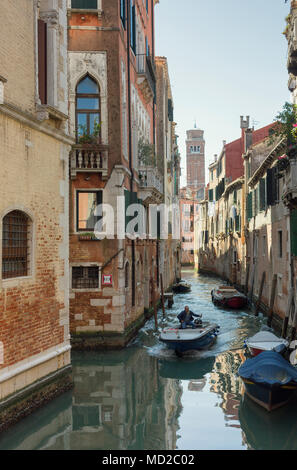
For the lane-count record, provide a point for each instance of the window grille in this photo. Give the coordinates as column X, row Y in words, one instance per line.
column 15, row 252
column 85, row 277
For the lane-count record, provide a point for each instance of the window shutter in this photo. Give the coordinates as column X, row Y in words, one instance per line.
column 42, row 61
column 262, row 195
column 271, row 186
column 133, row 27
column 249, row 206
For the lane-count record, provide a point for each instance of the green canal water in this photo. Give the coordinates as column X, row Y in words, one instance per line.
column 146, row 398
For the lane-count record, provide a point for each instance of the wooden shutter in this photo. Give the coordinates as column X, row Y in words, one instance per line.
column 271, row 186
column 249, row 206
column 262, row 201
column 42, row 61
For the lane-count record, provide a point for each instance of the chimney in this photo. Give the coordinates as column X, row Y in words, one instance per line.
column 248, row 139
column 244, row 124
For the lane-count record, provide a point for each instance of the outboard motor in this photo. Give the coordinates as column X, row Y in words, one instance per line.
column 198, row 322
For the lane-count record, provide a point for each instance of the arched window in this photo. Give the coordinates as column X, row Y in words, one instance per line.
column 87, row 110
column 15, row 245
column 127, row 275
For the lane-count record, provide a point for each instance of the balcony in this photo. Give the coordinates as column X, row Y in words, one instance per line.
column 146, row 76
column 151, row 187
column 87, row 158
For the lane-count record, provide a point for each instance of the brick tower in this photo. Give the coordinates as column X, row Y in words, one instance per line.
column 195, row 159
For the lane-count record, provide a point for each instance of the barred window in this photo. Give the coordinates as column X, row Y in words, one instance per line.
column 85, row 277
column 15, row 245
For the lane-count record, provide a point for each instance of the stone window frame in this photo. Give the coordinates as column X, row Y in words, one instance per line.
column 88, row 264
column 89, row 111
column 15, row 281
column 94, row 64
column 75, row 215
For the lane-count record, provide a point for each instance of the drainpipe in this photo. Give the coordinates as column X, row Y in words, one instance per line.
column 130, row 140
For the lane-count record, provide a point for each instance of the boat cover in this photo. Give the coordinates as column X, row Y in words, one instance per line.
column 265, row 340
column 269, row 368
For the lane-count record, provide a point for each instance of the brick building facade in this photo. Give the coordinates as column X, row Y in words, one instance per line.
column 112, row 63
column 35, row 145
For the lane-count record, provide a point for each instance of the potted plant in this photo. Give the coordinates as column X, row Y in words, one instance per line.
column 89, row 138
column 285, row 128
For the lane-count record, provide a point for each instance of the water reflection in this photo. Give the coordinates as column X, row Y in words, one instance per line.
column 147, row 398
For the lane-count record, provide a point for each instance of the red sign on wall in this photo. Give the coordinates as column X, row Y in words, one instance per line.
column 106, row 279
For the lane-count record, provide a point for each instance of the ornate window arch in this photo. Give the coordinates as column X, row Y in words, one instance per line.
column 88, row 109
column 16, row 244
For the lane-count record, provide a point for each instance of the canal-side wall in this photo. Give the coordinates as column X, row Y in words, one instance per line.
column 17, row 406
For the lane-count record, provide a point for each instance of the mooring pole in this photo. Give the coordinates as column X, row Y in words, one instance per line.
column 288, row 311
column 162, row 295
column 260, row 294
column 154, row 303
column 272, row 297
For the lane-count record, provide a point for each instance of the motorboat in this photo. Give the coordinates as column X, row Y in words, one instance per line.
column 181, row 287
column 182, row 340
column 269, row 379
column 228, row 296
column 265, row 341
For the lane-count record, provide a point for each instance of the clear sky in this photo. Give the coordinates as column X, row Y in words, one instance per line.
column 226, row 58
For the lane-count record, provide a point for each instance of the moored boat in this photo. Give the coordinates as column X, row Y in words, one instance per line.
column 227, row 296
column 269, row 380
column 182, row 340
column 181, row 287
column 265, row 341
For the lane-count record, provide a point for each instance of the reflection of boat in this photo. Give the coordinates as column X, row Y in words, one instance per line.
column 265, row 341
column 268, row 431
column 189, row 338
column 269, row 379
column 181, row 287
column 186, row 370
column 227, row 296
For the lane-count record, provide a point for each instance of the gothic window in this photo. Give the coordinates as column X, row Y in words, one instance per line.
column 15, row 245
column 87, row 108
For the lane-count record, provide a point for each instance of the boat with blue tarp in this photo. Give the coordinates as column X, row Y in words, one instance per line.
column 269, row 379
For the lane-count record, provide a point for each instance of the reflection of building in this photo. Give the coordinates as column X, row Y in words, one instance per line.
column 115, row 405
column 224, row 382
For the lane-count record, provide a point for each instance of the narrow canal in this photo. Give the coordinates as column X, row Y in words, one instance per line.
column 147, row 398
